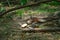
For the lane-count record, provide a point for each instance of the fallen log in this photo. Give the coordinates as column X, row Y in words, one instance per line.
column 41, row 30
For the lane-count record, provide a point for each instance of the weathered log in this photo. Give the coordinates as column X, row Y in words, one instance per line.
column 41, row 30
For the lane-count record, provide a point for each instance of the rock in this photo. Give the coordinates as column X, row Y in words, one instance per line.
column 23, row 25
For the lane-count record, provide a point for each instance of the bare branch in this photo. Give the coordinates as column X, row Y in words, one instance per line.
column 20, row 7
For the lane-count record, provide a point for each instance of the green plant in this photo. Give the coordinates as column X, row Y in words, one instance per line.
column 23, row 2
column 20, row 12
column 2, row 8
column 54, row 3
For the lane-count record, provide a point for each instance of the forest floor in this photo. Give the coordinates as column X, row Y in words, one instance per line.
column 10, row 29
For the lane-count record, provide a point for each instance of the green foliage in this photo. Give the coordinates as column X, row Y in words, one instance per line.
column 20, row 12
column 23, row 2
column 2, row 9
column 54, row 3
column 49, row 7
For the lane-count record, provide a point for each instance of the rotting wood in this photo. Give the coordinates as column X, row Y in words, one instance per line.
column 41, row 30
